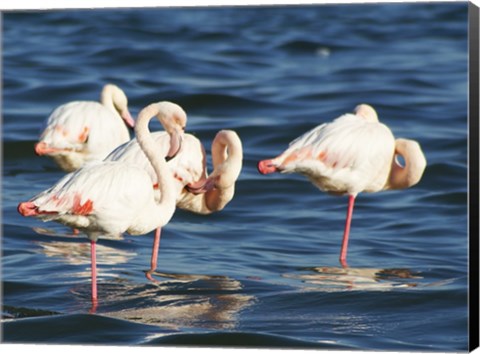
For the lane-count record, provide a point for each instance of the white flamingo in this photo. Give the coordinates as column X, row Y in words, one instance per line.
column 83, row 131
column 196, row 191
column 112, row 197
column 214, row 192
column 354, row 153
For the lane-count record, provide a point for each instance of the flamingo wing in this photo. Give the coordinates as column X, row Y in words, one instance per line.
column 103, row 197
column 188, row 166
column 81, row 131
column 349, row 155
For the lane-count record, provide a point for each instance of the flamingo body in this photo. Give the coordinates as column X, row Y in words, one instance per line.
column 348, row 156
column 82, row 131
column 102, row 198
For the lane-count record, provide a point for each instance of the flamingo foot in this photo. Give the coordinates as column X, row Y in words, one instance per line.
column 153, row 261
column 148, row 275
column 343, row 263
column 266, row 166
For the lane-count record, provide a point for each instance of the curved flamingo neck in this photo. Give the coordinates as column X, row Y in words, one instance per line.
column 226, row 146
column 107, row 97
column 406, row 176
column 227, row 156
column 147, row 144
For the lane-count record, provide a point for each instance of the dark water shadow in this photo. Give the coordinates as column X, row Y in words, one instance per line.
column 242, row 340
column 74, row 329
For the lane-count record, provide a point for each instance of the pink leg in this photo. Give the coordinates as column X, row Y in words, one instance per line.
column 153, row 261
column 94, row 271
column 346, row 233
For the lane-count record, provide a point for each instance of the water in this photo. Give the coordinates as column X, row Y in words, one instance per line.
column 264, row 271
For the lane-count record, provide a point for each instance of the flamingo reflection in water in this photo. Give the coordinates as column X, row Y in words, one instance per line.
column 333, row 279
column 179, row 301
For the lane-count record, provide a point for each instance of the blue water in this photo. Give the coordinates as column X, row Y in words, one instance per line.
column 264, row 271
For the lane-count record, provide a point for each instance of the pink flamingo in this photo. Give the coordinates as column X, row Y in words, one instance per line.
column 196, row 191
column 83, row 131
column 354, row 153
column 112, row 197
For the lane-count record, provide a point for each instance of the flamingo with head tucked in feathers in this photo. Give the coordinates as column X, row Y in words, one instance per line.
column 213, row 192
column 82, row 131
column 355, row 153
column 112, row 197
column 196, row 191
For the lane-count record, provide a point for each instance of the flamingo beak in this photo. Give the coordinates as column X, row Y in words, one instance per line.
column 27, row 209
column 201, row 186
column 266, row 166
column 176, row 139
column 42, row 148
column 127, row 118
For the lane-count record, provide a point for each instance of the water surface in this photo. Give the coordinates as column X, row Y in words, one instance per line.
column 264, row 271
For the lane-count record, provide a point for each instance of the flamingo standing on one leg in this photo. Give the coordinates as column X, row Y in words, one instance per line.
column 112, row 197
column 83, row 131
column 354, row 153
column 167, row 144
column 196, row 191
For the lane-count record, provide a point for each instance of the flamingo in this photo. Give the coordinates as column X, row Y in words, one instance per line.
column 112, row 197
column 195, row 190
column 213, row 193
column 354, row 153
column 83, row 131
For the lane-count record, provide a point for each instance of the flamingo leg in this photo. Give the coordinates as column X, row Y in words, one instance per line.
column 93, row 256
column 153, row 261
column 346, row 233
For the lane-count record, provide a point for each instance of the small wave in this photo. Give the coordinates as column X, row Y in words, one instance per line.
column 215, row 100
column 309, row 47
column 242, row 340
column 73, row 329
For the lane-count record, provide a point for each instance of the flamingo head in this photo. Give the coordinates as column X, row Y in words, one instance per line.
column 120, row 102
column 366, row 112
column 174, row 120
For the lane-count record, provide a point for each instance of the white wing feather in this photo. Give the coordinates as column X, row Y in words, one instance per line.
column 114, row 189
column 187, row 166
column 355, row 153
column 106, row 131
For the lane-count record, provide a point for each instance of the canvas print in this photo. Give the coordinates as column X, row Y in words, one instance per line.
column 249, row 176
